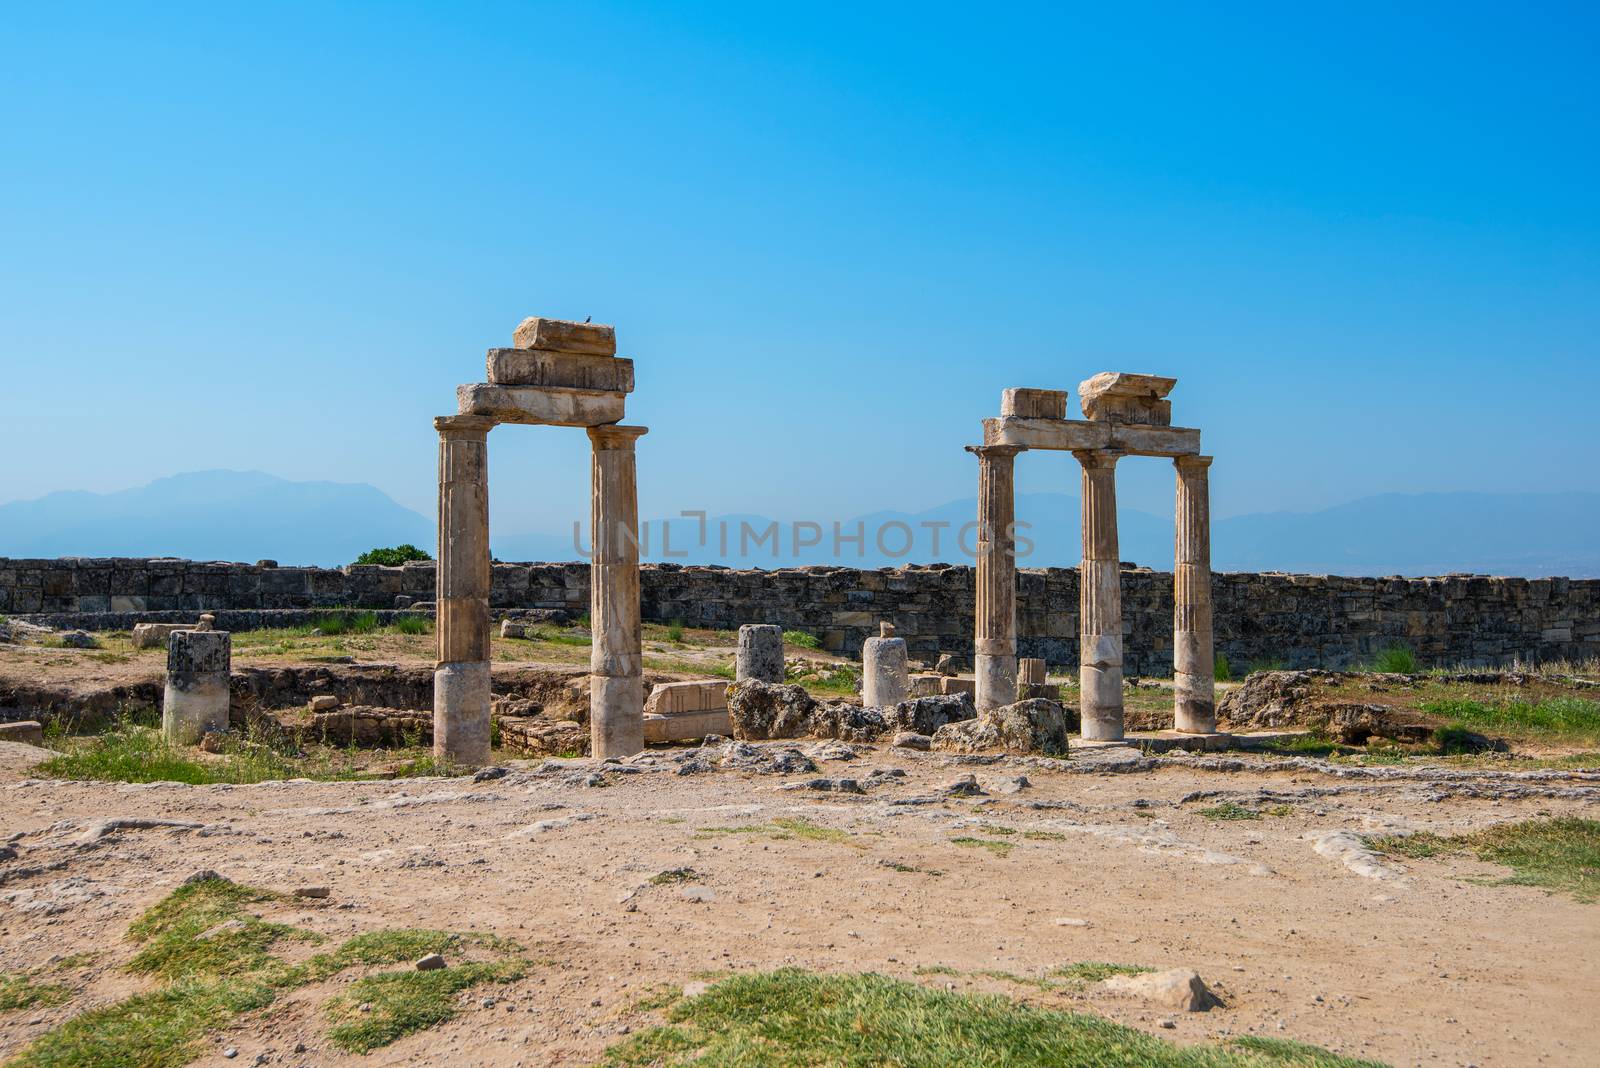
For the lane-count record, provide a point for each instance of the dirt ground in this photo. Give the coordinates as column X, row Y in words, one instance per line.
column 1302, row 934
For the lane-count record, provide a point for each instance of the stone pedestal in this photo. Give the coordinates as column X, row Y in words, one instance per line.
column 760, row 653
column 995, row 640
column 196, row 698
column 461, row 677
column 885, row 672
column 1100, row 601
column 616, row 665
column 1193, row 661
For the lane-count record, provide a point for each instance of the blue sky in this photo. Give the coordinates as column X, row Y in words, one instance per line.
column 276, row 236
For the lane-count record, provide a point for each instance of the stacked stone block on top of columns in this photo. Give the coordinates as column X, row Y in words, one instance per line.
column 995, row 638
column 195, row 702
column 885, row 670
column 760, row 653
column 1100, row 601
column 616, row 658
column 461, row 687
column 1193, row 661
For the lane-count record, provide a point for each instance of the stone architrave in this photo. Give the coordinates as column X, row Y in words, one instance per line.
column 885, row 670
column 760, row 653
column 995, row 643
column 461, row 686
column 1193, row 660
column 616, row 660
column 1100, row 601
column 196, row 699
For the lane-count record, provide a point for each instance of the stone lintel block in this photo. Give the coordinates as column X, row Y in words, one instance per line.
column 1172, row 441
column 1118, row 397
column 670, row 698
column 1126, row 384
column 1034, row 403
column 563, row 335
column 541, row 405
column 684, row 726
column 548, row 367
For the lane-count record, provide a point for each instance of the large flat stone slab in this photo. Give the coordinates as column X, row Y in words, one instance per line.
column 1120, row 397
column 1070, row 435
column 685, row 726
column 548, row 367
column 541, row 405
column 670, row 698
column 563, row 335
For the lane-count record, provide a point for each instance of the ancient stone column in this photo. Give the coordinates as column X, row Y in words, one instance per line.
column 760, row 653
column 1193, row 663
column 1100, row 601
column 885, row 671
column 196, row 700
column 616, row 662
column 461, row 676
column 995, row 640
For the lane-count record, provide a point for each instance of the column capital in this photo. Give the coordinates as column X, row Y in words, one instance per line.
column 995, row 452
column 613, row 436
column 1098, row 459
column 1188, row 464
column 451, row 426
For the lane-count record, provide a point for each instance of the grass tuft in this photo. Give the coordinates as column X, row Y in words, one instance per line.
column 22, row 992
column 792, row 1017
column 993, row 845
column 1396, row 660
column 1560, row 854
column 402, row 1003
column 801, row 638
column 1230, row 810
column 782, row 828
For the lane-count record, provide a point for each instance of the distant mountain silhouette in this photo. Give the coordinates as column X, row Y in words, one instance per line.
column 235, row 515
column 214, row 515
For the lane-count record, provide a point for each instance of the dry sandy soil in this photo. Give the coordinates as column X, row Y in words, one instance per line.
column 1421, row 962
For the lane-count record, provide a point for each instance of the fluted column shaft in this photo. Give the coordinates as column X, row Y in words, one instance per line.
column 1100, row 601
column 461, row 676
column 995, row 637
column 616, row 667
column 1193, row 660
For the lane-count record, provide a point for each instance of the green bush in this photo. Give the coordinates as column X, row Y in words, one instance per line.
column 800, row 638
column 337, row 623
column 675, row 631
column 1397, row 660
column 393, row 557
column 1223, row 672
column 412, row 625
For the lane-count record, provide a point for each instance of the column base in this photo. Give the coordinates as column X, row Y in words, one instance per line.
column 194, row 708
column 1100, row 703
column 996, row 680
column 461, row 713
column 616, row 716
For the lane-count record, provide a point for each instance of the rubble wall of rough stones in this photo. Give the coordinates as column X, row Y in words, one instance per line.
column 1299, row 620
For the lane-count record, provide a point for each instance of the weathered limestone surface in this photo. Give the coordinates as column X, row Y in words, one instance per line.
column 461, row 678
column 1071, row 435
column 885, row 673
column 536, row 332
column 152, row 635
column 995, row 635
column 546, row 367
column 196, row 699
column 1194, row 708
column 670, row 698
column 1100, row 601
column 540, row 405
column 1120, row 397
column 760, row 653
column 616, row 664
column 1034, row 403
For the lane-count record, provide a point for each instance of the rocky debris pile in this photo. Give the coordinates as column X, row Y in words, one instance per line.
column 1272, row 699
column 1037, row 725
column 539, row 737
column 742, row 756
column 761, row 711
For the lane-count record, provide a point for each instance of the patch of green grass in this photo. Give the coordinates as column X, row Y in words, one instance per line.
column 1394, row 659
column 993, row 845
column 1270, row 663
column 674, row 875
column 402, row 1003
column 801, row 638
column 1044, row 836
column 1221, row 670
column 1088, row 972
column 1570, row 719
column 675, row 632
column 1314, row 744
column 334, row 624
column 783, row 828
column 1559, row 853
column 1229, row 810
column 911, row 869
column 794, row 1018
column 1285, row 1051
column 412, row 625
column 18, row 991
column 655, row 999
column 212, row 952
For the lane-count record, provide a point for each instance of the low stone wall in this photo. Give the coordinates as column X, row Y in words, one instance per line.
column 1298, row 620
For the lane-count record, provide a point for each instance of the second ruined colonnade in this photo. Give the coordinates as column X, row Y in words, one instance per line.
column 557, row 374
column 1126, row 415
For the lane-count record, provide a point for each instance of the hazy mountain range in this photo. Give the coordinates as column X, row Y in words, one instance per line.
column 232, row 515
